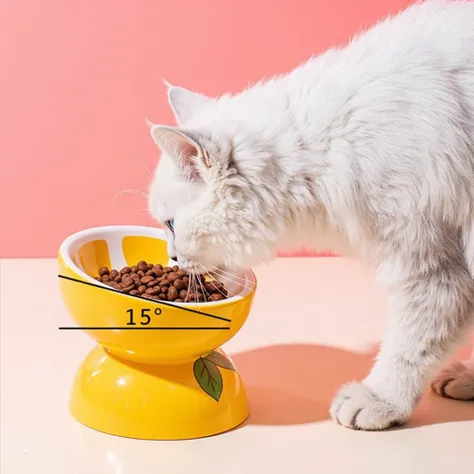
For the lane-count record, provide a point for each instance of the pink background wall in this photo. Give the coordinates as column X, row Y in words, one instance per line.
column 78, row 78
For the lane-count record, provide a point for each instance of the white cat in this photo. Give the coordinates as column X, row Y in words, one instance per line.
column 367, row 149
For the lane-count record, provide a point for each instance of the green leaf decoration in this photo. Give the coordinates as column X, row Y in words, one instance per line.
column 208, row 377
column 220, row 360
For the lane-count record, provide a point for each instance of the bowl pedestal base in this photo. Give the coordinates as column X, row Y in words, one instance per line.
column 195, row 399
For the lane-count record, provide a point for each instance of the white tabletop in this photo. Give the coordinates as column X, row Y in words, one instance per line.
column 297, row 347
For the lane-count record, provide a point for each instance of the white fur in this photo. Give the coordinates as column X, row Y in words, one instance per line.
column 368, row 149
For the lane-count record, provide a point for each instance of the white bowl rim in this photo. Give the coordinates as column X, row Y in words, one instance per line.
column 141, row 231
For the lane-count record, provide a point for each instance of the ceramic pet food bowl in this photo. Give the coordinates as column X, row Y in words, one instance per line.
column 158, row 371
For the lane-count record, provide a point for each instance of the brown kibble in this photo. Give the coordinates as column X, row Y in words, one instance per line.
column 216, row 287
column 179, row 284
column 103, row 271
column 158, row 272
column 172, row 277
column 153, row 291
column 125, row 270
column 200, row 278
column 146, row 279
column 172, row 293
column 127, row 277
column 213, row 284
column 217, row 297
column 157, row 283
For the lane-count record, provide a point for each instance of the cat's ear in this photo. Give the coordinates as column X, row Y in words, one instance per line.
column 184, row 147
column 186, row 104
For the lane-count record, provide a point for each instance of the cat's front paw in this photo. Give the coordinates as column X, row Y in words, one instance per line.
column 456, row 381
column 356, row 407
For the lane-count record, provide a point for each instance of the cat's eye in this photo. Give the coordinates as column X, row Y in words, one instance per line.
column 170, row 225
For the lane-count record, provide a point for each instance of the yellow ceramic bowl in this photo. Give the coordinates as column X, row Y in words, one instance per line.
column 158, row 372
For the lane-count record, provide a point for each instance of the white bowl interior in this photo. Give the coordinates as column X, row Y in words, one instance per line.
column 238, row 286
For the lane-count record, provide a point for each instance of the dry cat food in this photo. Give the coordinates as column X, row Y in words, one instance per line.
column 156, row 282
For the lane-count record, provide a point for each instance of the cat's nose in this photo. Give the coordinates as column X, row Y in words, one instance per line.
column 174, row 257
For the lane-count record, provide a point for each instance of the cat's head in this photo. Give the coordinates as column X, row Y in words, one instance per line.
column 205, row 192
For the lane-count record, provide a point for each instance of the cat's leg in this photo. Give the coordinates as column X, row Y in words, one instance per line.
column 430, row 309
column 456, row 381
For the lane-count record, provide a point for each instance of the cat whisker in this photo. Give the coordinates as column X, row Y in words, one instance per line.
column 196, row 292
column 204, row 292
column 227, row 275
column 203, row 288
column 145, row 167
column 226, row 280
column 243, row 282
column 189, row 287
column 131, row 191
column 192, row 286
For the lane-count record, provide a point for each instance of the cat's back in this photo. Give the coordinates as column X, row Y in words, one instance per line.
column 428, row 38
column 428, row 19
column 420, row 59
column 435, row 28
column 405, row 111
column 423, row 56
